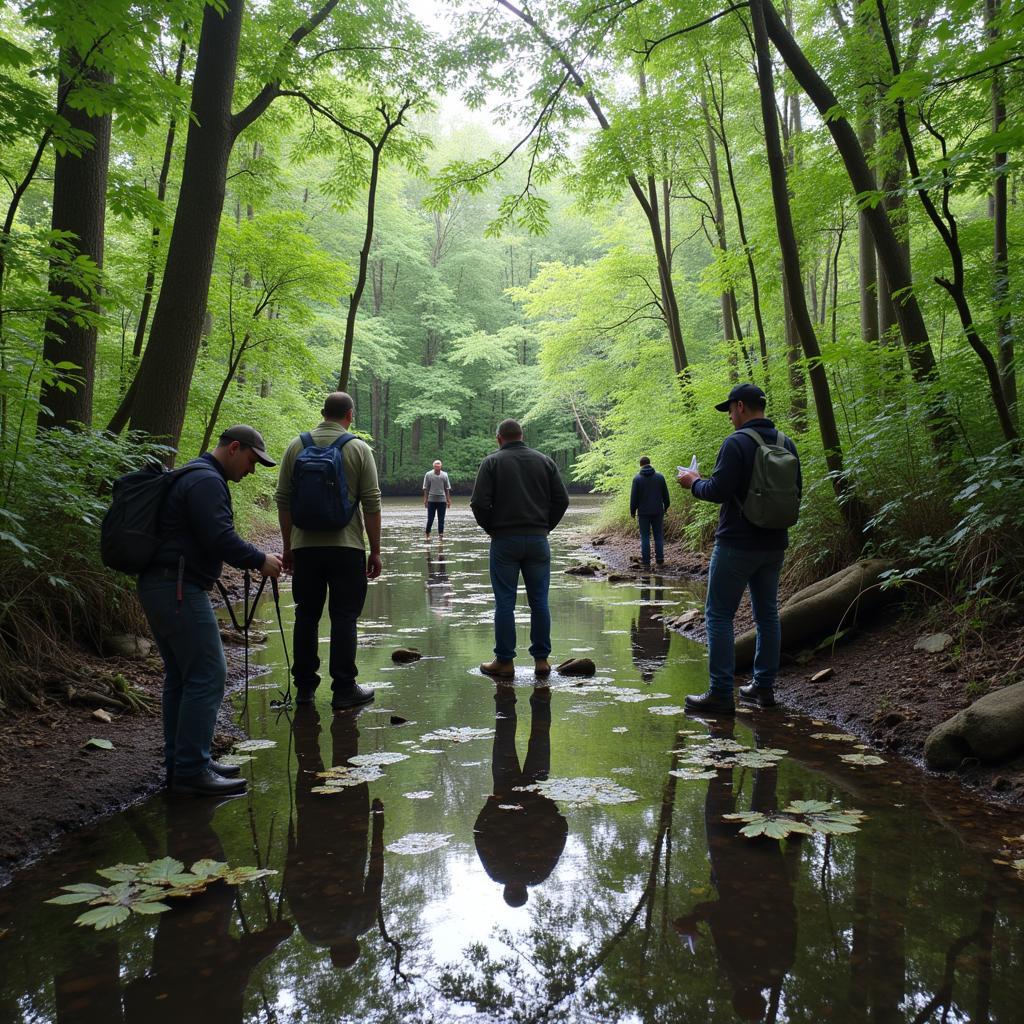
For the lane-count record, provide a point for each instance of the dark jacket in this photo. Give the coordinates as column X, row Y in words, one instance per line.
column 518, row 492
column 728, row 487
column 197, row 521
column 649, row 495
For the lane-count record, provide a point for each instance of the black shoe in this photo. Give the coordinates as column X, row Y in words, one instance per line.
column 351, row 697
column 710, row 703
column 208, row 783
column 761, row 696
column 225, row 771
column 305, row 697
column 660, row 562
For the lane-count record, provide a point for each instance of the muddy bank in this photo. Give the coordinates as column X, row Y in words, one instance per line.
column 879, row 686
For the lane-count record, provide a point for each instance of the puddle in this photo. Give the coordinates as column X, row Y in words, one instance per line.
column 564, row 856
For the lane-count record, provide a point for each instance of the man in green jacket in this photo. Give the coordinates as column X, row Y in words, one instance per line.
column 331, row 561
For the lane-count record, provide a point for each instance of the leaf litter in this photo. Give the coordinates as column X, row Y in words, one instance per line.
column 453, row 734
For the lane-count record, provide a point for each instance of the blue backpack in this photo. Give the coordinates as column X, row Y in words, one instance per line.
column 320, row 498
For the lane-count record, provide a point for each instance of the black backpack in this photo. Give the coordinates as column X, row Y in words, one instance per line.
column 320, row 499
column 129, row 536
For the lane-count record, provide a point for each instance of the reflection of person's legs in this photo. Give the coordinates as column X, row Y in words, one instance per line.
column 537, row 577
column 504, row 760
column 727, row 579
column 504, row 565
column 347, row 575
column 644, row 522
column 431, row 512
column 309, row 589
column 538, row 751
column 442, row 508
column 657, row 528
column 764, row 602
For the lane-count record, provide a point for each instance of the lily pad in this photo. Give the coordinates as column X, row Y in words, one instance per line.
column 453, row 734
column 583, row 791
column 862, row 759
column 254, row 745
column 692, row 774
column 419, row 842
column 383, row 757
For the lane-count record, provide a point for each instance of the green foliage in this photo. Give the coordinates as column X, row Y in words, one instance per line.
column 801, row 817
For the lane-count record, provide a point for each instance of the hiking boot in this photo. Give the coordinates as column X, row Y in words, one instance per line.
column 760, row 696
column 351, row 697
column 304, row 698
column 501, row 669
column 225, row 771
column 208, row 783
column 541, row 667
column 710, row 703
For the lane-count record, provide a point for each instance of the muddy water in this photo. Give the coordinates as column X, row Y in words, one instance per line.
column 630, row 899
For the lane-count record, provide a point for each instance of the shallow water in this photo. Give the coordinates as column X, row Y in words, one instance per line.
column 441, row 890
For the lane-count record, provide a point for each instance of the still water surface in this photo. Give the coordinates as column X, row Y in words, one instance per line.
column 532, row 907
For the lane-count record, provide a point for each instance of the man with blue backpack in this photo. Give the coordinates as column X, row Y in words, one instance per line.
column 758, row 483
column 327, row 497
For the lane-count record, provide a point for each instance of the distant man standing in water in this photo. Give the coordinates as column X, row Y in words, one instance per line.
column 437, row 497
column 518, row 498
column 648, row 502
column 746, row 554
column 327, row 559
column 197, row 528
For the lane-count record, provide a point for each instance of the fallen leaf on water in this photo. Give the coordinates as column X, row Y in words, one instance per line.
column 254, row 745
column 838, row 736
column 419, row 794
column 692, row 774
column 383, row 757
column 419, row 842
column 666, row 709
column 581, row 792
column 862, row 759
column 457, row 735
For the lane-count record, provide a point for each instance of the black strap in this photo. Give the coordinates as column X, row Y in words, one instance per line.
column 242, row 626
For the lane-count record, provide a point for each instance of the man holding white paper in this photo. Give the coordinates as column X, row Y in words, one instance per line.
column 757, row 482
column 648, row 503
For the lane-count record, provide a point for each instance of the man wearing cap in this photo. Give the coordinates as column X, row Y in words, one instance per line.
column 331, row 561
column 437, row 497
column 198, row 530
column 744, row 556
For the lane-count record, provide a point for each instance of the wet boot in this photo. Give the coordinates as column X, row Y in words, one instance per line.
column 759, row 696
column 710, row 703
column 541, row 667
column 208, row 783
column 353, row 696
column 500, row 669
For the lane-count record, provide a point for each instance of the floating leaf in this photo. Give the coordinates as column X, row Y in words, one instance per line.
column 807, row 807
column 103, row 917
column 66, row 899
column 666, row 709
column 457, row 735
column 775, row 828
column 838, row 736
column 162, row 871
column 99, row 744
column 384, row 757
column 756, row 759
column 342, row 777
column 148, row 907
column 419, row 842
column 862, row 759
column 237, row 760
column 419, row 794
column 580, row 792
column 692, row 774
column 620, row 728
column 209, row 868
column 255, row 745
column 239, row 876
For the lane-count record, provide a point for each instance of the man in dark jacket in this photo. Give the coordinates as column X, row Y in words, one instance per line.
column 648, row 503
column 744, row 555
column 198, row 530
column 518, row 498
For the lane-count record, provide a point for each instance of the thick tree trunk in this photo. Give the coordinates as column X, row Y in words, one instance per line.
column 79, row 207
column 159, row 396
column 849, row 507
column 893, row 176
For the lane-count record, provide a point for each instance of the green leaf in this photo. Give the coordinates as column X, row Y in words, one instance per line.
column 807, row 807
column 100, row 744
column 150, row 907
column 72, row 897
column 162, row 871
column 208, row 868
column 103, row 917
column 121, row 872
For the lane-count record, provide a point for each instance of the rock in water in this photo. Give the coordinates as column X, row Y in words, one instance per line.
column 576, row 667
column 584, row 569
column 991, row 729
column 405, row 654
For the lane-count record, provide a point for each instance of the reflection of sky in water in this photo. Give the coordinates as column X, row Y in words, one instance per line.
column 651, row 910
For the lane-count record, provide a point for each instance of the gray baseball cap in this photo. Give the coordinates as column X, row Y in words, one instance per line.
column 251, row 438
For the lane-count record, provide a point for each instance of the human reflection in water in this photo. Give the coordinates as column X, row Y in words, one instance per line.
column 753, row 921
column 440, row 592
column 330, row 892
column 198, row 964
column 649, row 638
column 520, row 848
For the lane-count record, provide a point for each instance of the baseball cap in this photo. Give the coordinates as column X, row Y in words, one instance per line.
column 743, row 393
column 251, row 438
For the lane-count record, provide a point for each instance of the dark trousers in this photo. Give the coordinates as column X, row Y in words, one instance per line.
column 437, row 508
column 649, row 525
column 317, row 572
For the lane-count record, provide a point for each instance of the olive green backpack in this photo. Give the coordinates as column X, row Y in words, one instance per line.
column 773, row 498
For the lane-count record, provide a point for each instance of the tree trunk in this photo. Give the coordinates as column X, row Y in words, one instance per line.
column 849, row 507
column 79, row 207
column 896, row 267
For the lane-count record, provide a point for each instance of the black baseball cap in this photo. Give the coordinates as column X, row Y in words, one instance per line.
column 747, row 393
column 251, row 438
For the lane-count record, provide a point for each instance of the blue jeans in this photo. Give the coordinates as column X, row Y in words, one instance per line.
column 437, row 508
column 731, row 571
column 188, row 638
column 510, row 556
column 649, row 525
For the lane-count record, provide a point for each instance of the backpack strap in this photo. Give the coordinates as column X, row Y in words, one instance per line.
column 342, row 440
column 781, row 439
column 751, row 432
column 306, row 438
